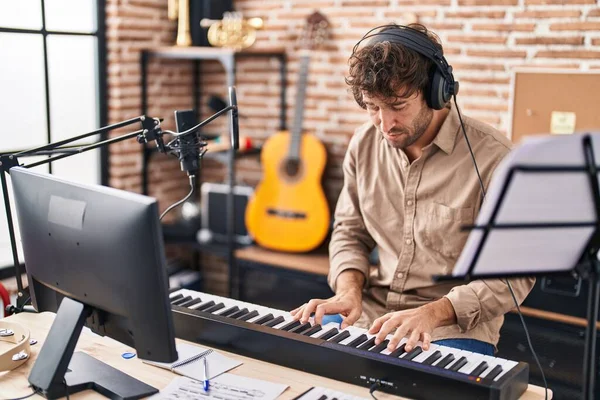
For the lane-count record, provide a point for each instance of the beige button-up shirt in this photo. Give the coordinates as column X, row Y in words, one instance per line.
column 413, row 213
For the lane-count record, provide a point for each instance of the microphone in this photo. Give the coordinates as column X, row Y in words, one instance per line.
column 189, row 145
column 189, row 155
column 234, row 122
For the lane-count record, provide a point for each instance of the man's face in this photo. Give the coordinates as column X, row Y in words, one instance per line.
column 401, row 121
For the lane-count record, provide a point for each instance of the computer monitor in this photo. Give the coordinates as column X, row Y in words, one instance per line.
column 94, row 255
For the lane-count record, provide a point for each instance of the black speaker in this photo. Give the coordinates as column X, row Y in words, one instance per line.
column 199, row 9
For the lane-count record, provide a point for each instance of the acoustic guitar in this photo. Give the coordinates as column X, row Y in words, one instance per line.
column 289, row 211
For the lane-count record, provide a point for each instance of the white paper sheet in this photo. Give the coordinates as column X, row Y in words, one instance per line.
column 223, row 387
column 534, row 197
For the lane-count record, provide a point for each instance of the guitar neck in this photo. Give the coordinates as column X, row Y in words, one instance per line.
column 296, row 134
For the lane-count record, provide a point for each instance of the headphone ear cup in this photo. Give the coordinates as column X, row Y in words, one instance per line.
column 438, row 94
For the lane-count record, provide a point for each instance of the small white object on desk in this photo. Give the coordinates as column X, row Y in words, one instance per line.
column 224, row 387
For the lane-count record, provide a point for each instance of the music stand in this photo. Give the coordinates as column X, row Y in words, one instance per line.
column 542, row 217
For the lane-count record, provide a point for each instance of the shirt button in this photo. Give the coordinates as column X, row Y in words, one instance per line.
column 404, row 163
column 408, row 241
column 400, row 275
column 409, row 203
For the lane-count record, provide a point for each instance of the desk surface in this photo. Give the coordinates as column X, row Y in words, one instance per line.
column 14, row 383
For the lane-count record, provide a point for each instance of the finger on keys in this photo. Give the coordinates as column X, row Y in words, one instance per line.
column 398, row 336
column 295, row 311
column 377, row 325
column 309, row 309
column 350, row 319
column 387, row 328
column 426, row 340
column 412, row 340
column 325, row 308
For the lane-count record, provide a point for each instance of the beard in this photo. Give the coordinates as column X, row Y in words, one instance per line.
column 403, row 136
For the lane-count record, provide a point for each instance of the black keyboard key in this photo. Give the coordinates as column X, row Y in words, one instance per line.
column 323, row 397
column 274, row 321
column 301, row 328
column 290, row 325
column 399, row 351
column 190, row 303
column 181, row 300
column 230, row 311
column 380, row 347
column 413, row 353
column 368, row 344
column 494, row 372
column 206, row 306
column 329, row 334
column 312, row 330
column 214, row 308
column 354, row 343
column 176, row 297
column 172, row 290
column 340, row 336
column 433, row 357
column 264, row 319
column 243, row 311
column 248, row 316
column 445, row 361
column 459, row 364
column 479, row 369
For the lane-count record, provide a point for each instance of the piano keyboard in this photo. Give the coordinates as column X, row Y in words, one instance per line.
column 476, row 370
column 321, row 393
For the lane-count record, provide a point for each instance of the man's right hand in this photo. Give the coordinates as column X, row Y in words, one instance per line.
column 347, row 302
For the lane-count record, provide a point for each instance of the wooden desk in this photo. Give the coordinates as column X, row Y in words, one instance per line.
column 312, row 263
column 14, row 383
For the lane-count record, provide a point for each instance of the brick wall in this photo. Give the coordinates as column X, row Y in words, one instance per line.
column 484, row 40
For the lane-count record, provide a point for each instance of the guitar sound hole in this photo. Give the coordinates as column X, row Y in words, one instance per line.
column 292, row 167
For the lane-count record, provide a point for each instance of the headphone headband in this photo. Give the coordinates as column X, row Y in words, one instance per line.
column 443, row 85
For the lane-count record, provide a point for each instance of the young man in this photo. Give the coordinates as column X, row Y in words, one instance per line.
column 409, row 186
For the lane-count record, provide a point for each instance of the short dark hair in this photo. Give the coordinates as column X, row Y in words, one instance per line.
column 382, row 68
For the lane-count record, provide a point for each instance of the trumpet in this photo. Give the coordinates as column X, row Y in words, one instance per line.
column 232, row 31
column 180, row 10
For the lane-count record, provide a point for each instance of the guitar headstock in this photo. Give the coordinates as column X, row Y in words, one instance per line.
column 315, row 32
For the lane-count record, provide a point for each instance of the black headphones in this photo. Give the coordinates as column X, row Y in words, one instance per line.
column 442, row 85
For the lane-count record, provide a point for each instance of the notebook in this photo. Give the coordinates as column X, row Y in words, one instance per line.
column 190, row 363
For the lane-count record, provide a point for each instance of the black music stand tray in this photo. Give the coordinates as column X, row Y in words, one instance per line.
column 542, row 217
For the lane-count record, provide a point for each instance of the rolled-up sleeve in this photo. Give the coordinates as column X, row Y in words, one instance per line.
column 350, row 243
column 484, row 300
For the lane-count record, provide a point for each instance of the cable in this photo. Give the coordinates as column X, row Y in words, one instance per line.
column 66, row 388
column 537, row 361
column 26, row 397
column 172, row 206
column 373, row 388
column 506, row 280
column 470, row 150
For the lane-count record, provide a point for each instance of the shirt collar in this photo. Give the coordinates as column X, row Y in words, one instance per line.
column 446, row 137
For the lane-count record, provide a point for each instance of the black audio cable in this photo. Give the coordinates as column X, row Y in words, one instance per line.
column 512, row 293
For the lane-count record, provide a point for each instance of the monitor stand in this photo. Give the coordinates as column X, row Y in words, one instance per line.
column 50, row 376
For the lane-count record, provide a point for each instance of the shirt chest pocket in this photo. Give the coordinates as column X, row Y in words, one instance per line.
column 442, row 228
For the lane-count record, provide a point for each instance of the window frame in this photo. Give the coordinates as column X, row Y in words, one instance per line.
column 100, row 34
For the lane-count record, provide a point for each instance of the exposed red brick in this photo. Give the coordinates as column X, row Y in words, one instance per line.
column 504, row 27
column 575, row 26
column 574, row 40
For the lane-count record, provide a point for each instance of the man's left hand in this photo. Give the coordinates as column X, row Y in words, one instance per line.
column 419, row 323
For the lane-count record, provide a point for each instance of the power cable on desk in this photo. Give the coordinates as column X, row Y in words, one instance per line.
column 25, row 397
column 373, row 388
column 529, row 339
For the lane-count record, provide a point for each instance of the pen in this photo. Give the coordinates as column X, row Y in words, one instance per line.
column 206, row 384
